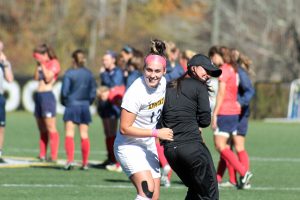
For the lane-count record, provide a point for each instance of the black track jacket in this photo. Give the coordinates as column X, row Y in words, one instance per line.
column 186, row 110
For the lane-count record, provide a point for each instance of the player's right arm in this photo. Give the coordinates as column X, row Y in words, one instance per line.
column 126, row 128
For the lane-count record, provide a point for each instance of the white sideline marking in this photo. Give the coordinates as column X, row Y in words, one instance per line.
column 254, row 158
column 36, row 151
column 129, row 186
column 266, row 159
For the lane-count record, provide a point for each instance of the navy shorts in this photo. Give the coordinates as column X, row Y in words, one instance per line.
column 106, row 109
column 242, row 128
column 2, row 111
column 227, row 125
column 45, row 105
column 79, row 114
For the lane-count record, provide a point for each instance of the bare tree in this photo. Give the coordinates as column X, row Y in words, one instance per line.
column 216, row 23
column 97, row 27
column 123, row 14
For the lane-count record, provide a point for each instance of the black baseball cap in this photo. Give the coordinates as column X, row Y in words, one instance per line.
column 206, row 63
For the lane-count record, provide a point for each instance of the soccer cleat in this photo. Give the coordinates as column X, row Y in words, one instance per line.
column 247, row 186
column 164, row 181
column 84, row 167
column 69, row 166
column 2, row 160
column 114, row 168
column 51, row 161
column 227, row 184
column 244, row 180
column 41, row 159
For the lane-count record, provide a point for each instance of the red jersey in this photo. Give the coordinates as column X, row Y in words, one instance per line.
column 54, row 66
column 230, row 105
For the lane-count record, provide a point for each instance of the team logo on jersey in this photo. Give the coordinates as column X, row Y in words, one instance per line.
column 157, row 103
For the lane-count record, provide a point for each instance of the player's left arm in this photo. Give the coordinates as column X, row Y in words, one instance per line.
column 93, row 88
column 247, row 87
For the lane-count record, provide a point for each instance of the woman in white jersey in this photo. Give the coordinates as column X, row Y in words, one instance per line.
column 141, row 107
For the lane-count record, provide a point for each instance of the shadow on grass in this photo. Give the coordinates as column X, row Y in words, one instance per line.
column 56, row 167
column 117, row 180
column 178, row 182
column 97, row 166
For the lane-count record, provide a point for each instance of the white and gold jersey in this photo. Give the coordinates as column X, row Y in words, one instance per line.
column 147, row 104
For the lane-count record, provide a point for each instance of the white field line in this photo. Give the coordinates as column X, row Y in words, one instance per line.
column 268, row 159
column 36, row 151
column 131, row 187
column 252, row 158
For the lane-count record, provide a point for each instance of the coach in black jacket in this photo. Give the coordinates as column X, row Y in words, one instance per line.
column 186, row 109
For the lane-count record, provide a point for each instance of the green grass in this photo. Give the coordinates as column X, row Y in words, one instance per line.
column 273, row 148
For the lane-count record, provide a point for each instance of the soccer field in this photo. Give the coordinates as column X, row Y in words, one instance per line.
column 273, row 148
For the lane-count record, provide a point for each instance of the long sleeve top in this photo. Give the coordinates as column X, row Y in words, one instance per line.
column 173, row 73
column 112, row 78
column 186, row 110
column 78, row 87
column 132, row 76
column 245, row 90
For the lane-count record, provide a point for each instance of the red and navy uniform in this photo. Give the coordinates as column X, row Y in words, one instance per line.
column 110, row 79
column 78, row 92
column 45, row 102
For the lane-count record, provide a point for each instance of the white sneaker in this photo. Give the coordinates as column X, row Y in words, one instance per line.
column 245, row 179
column 114, row 168
column 247, row 186
column 164, row 181
column 226, row 184
column 69, row 166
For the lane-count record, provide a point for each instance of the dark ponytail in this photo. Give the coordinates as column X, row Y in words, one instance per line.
column 79, row 58
column 158, row 47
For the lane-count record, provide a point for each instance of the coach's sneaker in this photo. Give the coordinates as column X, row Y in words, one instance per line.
column 114, row 168
column 69, row 166
column 244, row 180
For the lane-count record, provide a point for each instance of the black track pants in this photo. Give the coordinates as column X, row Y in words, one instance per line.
column 193, row 164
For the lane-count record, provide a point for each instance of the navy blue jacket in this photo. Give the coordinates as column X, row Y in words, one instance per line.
column 78, row 87
column 112, row 78
column 245, row 90
column 132, row 76
column 173, row 73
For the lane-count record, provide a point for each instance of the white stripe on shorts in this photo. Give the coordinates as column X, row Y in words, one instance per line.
column 221, row 133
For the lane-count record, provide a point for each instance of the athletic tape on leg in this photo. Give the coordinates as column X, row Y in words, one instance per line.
column 148, row 193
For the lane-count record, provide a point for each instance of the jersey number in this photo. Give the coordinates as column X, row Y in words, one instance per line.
column 153, row 115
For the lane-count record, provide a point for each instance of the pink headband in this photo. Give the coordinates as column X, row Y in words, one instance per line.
column 156, row 58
